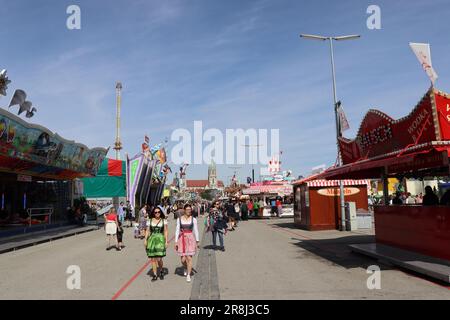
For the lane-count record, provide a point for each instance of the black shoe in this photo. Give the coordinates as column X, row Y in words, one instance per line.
column 161, row 275
column 109, row 248
column 154, row 278
column 222, row 249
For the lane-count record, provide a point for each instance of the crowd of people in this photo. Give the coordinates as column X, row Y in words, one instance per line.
column 151, row 226
column 429, row 199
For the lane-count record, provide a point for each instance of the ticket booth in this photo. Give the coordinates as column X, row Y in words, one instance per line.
column 317, row 204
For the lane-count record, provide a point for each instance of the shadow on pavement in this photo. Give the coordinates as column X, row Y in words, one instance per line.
column 337, row 251
column 150, row 272
column 179, row 271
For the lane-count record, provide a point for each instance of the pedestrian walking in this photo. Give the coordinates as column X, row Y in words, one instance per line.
column 156, row 241
column 430, row 198
column 250, row 207
column 256, row 208
column 143, row 217
column 273, row 205
column 121, row 212
column 120, row 235
column 231, row 213
column 261, row 208
column 129, row 214
column 187, row 238
column 217, row 225
column 244, row 211
column 111, row 225
column 279, row 207
column 237, row 210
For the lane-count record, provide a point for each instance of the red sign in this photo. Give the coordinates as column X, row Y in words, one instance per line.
column 379, row 134
column 23, row 178
column 443, row 110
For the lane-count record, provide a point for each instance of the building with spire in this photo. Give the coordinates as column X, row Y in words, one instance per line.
column 198, row 186
column 212, row 175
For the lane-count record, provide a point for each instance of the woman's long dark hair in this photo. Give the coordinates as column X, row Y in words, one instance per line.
column 162, row 215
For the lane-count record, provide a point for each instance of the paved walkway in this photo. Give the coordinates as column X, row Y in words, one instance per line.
column 33, row 238
column 265, row 259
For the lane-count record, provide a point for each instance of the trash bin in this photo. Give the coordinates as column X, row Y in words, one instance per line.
column 351, row 222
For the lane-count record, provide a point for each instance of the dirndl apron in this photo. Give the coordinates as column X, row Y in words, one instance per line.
column 156, row 243
column 187, row 244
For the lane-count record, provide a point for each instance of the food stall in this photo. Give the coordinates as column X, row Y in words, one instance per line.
column 268, row 191
column 416, row 146
column 317, row 203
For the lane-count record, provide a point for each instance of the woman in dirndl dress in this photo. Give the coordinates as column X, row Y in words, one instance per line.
column 187, row 238
column 156, row 241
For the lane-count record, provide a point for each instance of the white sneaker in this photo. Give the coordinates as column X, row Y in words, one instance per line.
column 188, row 278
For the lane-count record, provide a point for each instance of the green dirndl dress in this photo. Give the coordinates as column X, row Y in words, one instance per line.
column 156, row 243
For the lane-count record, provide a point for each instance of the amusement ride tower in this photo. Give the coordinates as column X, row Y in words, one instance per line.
column 118, row 143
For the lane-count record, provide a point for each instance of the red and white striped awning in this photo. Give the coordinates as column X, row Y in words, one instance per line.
column 335, row 183
column 269, row 189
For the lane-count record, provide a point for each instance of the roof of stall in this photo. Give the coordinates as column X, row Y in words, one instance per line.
column 34, row 150
column 417, row 145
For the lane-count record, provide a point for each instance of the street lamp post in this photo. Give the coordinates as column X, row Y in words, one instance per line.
column 338, row 131
column 252, row 146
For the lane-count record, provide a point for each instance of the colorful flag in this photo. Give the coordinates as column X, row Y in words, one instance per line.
column 162, row 155
column 343, row 122
column 156, row 148
column 274, row 165
column 423, row 53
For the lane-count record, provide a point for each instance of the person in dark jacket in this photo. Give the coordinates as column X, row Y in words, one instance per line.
column 397, row 199
column 244, row 210
column 217, row 225
column 231, row 213
column 445, row 200
column 430, row 198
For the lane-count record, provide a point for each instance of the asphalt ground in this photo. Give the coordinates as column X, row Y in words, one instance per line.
column 264, row 259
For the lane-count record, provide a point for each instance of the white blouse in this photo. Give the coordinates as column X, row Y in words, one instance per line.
column 195, row 230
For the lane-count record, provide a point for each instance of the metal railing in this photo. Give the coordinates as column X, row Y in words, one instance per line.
column 40, row 214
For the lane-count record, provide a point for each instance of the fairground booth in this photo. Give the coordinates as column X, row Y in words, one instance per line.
column 37, row 172
column 416, row 146
column 317, row 204
column 269, row 191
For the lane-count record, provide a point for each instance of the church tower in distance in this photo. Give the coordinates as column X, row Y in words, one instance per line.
column 212, row 175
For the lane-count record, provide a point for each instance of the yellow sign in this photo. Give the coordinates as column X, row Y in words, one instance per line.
column 335, row 192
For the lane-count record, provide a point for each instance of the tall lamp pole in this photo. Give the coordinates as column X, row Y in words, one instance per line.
column 118, row 143
column 338, row 130
column 252, row 146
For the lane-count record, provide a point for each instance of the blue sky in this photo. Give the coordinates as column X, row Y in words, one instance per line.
column 231, row 64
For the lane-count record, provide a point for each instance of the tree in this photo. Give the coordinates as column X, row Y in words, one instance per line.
column 207, row 195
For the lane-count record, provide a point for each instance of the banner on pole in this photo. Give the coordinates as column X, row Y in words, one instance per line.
column 423, row 53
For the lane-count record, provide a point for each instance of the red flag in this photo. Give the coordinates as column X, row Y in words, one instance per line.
column 114, row 168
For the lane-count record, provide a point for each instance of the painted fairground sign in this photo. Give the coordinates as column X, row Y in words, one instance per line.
column 35, row 149
column 335, row 192
column 379, row 134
